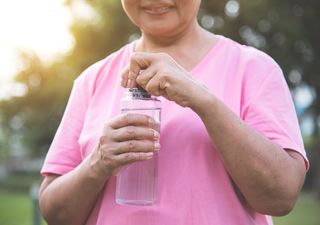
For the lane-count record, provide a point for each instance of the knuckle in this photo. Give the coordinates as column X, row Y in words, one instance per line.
column 102, row 140
column 163, row 83
column 131, row 145
column 111, row 148
column 130, row 132
column 140, row 80
column 128, row 157
column 154, row 89
column 104, row 156
column 105, row 151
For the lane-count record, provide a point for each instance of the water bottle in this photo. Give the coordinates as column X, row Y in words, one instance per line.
column 137, row 182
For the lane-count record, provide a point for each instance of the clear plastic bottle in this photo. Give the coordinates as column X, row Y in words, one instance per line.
column 137, row 182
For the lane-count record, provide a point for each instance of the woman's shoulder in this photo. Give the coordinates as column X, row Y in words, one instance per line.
column 253, row 67
column 249, row 56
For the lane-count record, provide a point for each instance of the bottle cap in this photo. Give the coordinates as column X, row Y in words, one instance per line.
column 138, row 93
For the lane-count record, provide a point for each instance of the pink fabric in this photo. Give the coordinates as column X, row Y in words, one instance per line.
column 194, row 187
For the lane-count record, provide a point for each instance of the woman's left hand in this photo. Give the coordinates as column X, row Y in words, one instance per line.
column 161, row 75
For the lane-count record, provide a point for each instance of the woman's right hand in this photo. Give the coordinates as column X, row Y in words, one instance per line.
column 125, row 139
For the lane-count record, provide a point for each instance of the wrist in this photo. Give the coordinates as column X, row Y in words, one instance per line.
column 203, row 101
column 96, row 169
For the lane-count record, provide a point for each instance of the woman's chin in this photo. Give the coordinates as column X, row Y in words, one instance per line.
column 160, row 32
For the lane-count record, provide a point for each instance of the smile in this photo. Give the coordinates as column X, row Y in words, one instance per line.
column 157, row 10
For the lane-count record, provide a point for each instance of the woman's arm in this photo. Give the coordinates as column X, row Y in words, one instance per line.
column 69, row 199
column 269, row 177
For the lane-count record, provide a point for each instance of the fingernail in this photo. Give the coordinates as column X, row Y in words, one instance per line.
column 149, row 154
column 156, row 135
column 156, row 146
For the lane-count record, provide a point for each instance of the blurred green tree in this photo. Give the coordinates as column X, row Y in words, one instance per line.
column 288, row 30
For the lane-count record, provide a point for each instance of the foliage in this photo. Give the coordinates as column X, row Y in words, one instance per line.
column 288, row 30
column 29, row 122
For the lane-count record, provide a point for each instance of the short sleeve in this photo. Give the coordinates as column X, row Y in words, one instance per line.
column 269, row 109
column 64, row 153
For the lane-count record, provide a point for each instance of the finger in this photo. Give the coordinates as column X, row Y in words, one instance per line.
column 139, row 61
column 131, row 157
column 134, row 133
column 135, row 146
column 131, row 82
column 157, row 85
column 132, row 119
column 125, row 76
column 145, row 76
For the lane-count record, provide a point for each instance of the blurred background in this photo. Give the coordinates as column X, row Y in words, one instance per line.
column 45, row 45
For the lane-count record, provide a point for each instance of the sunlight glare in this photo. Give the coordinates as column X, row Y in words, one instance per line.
column 39, row 26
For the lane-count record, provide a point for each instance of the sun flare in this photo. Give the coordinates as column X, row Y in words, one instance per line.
column 40, row 26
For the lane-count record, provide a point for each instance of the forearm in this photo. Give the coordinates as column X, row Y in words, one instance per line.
column 267, row 176
column 70, row 198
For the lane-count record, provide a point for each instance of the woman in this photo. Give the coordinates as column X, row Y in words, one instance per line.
column 231, row 151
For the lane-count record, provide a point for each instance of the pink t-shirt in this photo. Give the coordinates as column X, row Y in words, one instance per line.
column 193, row 184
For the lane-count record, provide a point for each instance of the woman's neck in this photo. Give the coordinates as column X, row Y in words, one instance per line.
column 187, row 48
column 152, row 43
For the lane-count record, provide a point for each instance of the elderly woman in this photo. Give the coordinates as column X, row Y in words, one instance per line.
column 238, row 159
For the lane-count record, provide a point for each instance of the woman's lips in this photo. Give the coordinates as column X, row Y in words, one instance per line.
column 157, row 10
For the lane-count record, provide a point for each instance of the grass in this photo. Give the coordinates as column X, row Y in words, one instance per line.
column 16, row 209
column 306, row 212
